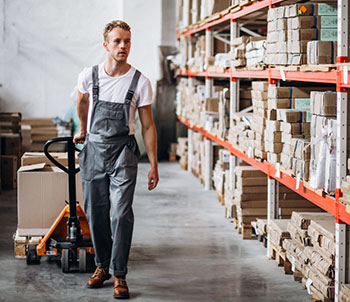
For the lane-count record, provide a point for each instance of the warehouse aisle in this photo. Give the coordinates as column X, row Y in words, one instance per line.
column 183, row 250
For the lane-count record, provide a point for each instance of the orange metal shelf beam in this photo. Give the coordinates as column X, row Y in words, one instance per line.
column 329, row 77
column 245, row 10
column 325, row 202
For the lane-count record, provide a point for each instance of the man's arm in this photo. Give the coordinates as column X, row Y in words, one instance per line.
column 149, row 135
column 82, row 109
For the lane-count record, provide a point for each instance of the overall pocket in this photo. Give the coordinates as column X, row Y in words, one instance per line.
column 86, row 162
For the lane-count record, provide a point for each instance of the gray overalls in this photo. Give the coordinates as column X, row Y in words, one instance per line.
column 108, row 165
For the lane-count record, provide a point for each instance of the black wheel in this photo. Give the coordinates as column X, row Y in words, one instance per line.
column 32, row 257
column 65, row 260
column 82, row 260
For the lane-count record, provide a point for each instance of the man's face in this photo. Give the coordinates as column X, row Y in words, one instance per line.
column 118, row 44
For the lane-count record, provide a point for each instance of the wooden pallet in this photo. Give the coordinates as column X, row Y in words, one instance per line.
column 248, row 232
column 21, row 243
column 280, row 258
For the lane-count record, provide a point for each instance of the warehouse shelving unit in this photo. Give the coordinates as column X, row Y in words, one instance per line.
column 339, row 77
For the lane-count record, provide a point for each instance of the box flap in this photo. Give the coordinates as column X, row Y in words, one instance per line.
column 32, row 167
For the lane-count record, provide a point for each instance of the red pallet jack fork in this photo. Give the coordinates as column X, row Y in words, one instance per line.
column 69, row 236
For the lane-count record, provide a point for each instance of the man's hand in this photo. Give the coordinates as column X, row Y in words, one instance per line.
column 153, row 178
column 79, row 138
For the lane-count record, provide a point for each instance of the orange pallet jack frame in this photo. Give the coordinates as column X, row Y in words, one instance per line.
column 69, row 236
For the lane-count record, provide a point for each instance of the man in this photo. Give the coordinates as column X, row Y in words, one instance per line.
column 108, row 97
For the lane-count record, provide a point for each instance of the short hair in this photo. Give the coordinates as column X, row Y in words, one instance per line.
column 114, row 24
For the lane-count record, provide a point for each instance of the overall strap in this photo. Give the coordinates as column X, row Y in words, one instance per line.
column 95, row 92
column 130, row 94
column 95, row 87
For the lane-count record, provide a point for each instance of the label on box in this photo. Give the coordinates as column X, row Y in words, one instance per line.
column 308, row 285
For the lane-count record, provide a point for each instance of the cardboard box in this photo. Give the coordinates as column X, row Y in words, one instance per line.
column 212, row 104
column 304, row 34
column 273, row 136
column 301, row 148
column 42, row 192
column 291, row 115
column 323, row 103
column 321, row 52
column 288, row 92
column 31, row 158
column 248, row 171
column 318, row 123
column 304, row 22
column 297, row 47
column 11, row 144
column 273, row 147
column 286, row 161
column 273, row 125
column 259, row 95
column 273, row 158
column 9, row 171
column 295, row 128
column 327, row 9
column 329, row 34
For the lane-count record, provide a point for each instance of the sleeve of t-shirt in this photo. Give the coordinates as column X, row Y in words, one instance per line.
column 146, row 94
column 83, row 81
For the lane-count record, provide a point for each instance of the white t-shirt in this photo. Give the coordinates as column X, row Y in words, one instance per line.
column 114, row 89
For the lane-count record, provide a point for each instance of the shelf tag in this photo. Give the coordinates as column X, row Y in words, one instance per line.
column 297, row 185
column 293, row 264
column 308, row 284
column 191, row 125
column 345, row 74
column 278, row 171
column 283, row 74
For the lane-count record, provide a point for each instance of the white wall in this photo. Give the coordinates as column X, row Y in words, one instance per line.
column 44, row 44
column 144, row 17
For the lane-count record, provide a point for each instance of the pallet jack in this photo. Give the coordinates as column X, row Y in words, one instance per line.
column 69, row 236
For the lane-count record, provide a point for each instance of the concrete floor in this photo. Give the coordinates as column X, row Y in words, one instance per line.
column 183, row 250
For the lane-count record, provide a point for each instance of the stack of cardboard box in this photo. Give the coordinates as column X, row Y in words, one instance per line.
column 229, row 197
column 277, row 230
column 249, row 50
column 250, row 196
column 255, row 53
column 291, row 28
column 311, row 252
column 197, row 147
column 344, row 294
column 219, row 174
column 240, row 133
column 10, row 148
column 323, row 107
column 285, row 124
column 182, row 151
column 259, row 99
column 44, row 129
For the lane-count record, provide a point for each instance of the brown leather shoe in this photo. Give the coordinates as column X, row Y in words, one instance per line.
column 100, row 275
column 121, row 290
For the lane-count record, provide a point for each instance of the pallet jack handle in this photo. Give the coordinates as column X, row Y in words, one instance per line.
column 71, row 171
